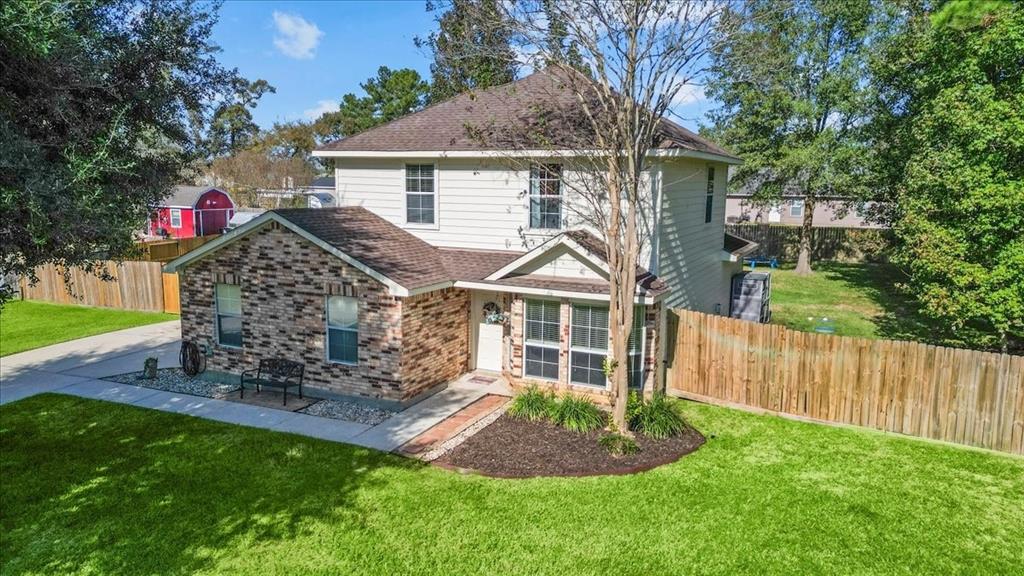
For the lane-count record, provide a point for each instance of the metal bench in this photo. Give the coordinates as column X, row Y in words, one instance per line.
column 274, row 373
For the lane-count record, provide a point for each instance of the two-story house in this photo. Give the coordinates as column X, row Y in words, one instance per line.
column 446, row 255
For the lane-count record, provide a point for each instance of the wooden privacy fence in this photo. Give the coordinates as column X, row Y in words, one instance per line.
column 167, row 250
column 136, row 286
column 843, row 244
column 963, row 396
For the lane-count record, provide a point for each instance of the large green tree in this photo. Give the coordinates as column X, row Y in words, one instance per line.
column 950, row 135
column 790, row 81
column 471, row 48
column 389, row 95
column 232, row 127
column 95, row 105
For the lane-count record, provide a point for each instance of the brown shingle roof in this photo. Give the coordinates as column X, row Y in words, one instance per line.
column 374, row 241
column 737, row 245
column 463, row 122
column 474, row 265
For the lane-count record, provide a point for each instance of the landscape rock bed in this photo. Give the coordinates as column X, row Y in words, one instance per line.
column 514, row 448
column 175, row 380
column 351, row 411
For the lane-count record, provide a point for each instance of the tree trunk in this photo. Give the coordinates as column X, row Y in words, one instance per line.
column 803, row 261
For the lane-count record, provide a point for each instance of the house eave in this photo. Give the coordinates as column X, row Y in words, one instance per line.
column 653, row 153
column 646, row 299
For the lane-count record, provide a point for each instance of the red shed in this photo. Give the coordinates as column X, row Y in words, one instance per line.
column 192, row 211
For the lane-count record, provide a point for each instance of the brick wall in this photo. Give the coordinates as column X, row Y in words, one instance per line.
column 515, row 374
column 285, row 281
column 435, row 338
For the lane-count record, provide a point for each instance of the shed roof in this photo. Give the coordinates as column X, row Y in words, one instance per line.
column 187, row 196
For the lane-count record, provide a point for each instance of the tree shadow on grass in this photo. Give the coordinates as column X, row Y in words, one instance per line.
column 901, row 318
column 91, row 486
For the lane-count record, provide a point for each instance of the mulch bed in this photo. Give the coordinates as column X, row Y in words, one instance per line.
column 513, row 448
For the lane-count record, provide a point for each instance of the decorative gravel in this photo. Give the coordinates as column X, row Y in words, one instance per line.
column 351, row 411
column 175, row 380
column 461, row 437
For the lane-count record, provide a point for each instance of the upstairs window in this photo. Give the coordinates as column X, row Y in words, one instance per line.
column 546, row 196
column 796, row 209
column 419, row 193
column 541, row 328
column 229, row 314
column 709, row 200
column 343, row 329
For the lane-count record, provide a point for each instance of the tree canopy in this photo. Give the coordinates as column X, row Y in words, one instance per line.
column 789, row 80
column 389, row 95
column 232, row 127
column 471, row 49
column 950, row 134
column 97, row 100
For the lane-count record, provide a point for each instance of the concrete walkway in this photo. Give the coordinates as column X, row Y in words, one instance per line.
column 75, row 367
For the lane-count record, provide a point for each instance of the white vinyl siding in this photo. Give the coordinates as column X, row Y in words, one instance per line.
column 690, row 250
column 228, row 304
column 541, row 330
column 481, row 204
column 342, row 329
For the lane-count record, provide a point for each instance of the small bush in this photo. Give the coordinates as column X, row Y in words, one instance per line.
column 619, row 445
column 577, row 414
column 655, row 418
column 532, row 404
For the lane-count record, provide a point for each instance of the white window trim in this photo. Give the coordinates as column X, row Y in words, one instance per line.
column 328, row 328
column 217, row 314
column 606, row 352
column 175, row 212
column 435, row 225
column 643, row 344
column 709, row 195
column 796, row 208
column 548, row 345
column 530, row 196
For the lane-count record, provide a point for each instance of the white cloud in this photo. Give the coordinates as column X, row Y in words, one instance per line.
column 689, row 94
column 296, row 37
column 322, row 107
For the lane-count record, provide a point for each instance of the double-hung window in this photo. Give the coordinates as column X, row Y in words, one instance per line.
column 546, row 196
column 175, row 218
column 342, row 329
column 796, row 208
column 420, row 198
column 588, row 346
column 709, row 199
column 229, row 314
column 541, row 329
column 636, row 349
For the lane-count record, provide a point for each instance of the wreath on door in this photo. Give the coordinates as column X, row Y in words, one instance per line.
column 493, row 314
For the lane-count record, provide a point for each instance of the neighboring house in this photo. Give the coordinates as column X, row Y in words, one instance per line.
column 192, row 211
column 320, row 192
column 443, row 257
column 828, row 212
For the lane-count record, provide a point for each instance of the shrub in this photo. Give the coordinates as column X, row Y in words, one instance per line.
column 655, row 418
column 577, row 414
column 619, row 445
column 532, row 404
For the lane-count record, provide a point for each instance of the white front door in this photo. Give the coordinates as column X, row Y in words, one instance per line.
column 487, row 337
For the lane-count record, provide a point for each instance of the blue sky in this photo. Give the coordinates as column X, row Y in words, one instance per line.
column 315, row 52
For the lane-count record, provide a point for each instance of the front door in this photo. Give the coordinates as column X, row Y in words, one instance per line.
column 487, row 336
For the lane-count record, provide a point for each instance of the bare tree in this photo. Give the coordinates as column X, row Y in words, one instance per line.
column 612, row 71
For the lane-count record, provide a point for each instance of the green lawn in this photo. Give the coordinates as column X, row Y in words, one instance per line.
column 859, row 299
column 92, row 487
column 25, row 325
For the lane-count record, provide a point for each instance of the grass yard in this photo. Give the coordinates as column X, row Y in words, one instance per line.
column 860, row 299
column 92, row 487
column 25, row 325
